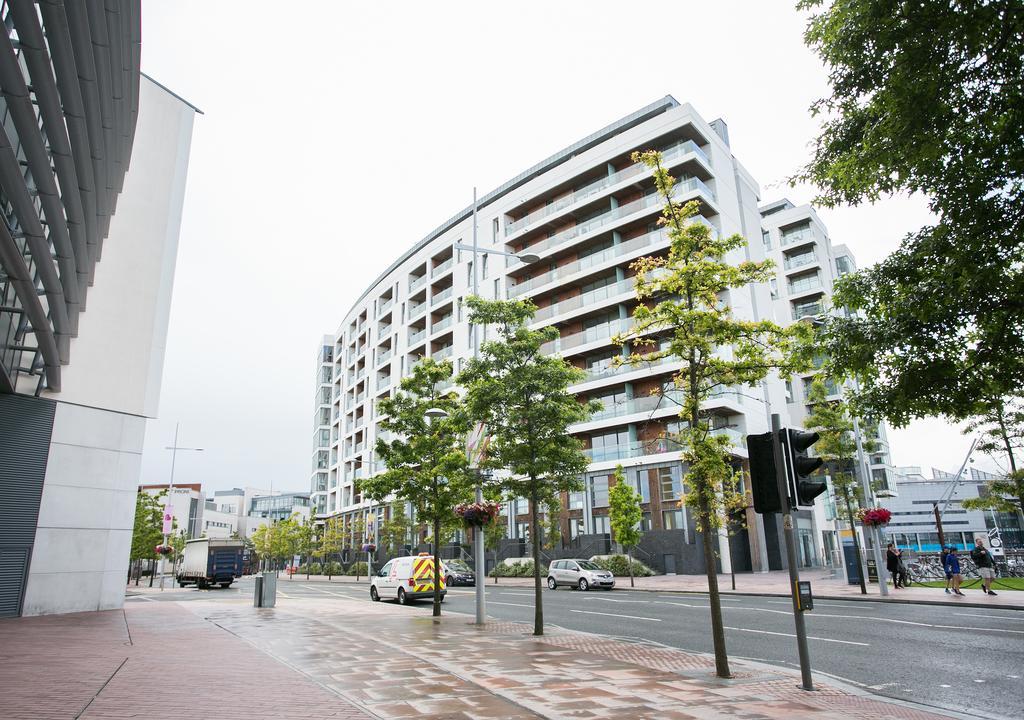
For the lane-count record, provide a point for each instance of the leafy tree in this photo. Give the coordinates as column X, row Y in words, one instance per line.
column 625, row 514
column 262, row 542
column 686, row 295
column 521, row 394
column 147, row 532
column 426, row 463
column 331, row 541
column 926, row 98
column 837, row 448
column 394, row 532
column 306, row 540
column 494, row 533
column 1000, row 422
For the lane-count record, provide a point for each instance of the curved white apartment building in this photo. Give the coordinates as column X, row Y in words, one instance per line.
column 588, row 212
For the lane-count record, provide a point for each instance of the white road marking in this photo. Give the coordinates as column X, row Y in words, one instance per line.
column 631, row 617
column 978, row 681
column 912, row 622
column 882, row 686
column 809, row 637
column 945, row 686
column 495, row 602
column 142, row 597
column 328, row 592
column 1014, row 677
column 993, row 617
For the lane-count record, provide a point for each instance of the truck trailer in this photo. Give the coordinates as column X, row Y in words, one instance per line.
column 210, row 561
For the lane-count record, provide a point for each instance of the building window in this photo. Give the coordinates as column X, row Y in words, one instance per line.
column 642, row 487
column 599, row 491
column 601, row 526
column 669, row 483
column 483, row 267
column 497, row 289
column 766, row 238
column 672, row 520
column 576, row 501
column 494, row 230
column 469, row 274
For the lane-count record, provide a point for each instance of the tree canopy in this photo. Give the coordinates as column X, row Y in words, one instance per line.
column 926, row 98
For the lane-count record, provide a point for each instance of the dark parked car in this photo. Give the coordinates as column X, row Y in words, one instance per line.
column 458, row 573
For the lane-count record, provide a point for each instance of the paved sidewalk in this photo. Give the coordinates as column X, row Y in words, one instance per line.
column 336, row 658
column 824, row 586
column 153, row 661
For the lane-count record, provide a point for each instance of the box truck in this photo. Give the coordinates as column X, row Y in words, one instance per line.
column 210, row 561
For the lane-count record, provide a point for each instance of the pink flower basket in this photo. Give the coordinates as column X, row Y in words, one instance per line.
column 874, row 517
column 478, row 514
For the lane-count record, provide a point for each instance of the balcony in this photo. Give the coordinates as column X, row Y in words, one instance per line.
column 677, row 151
column 682, row 188
column 384, row 331
column 384, row 357
column 442, row 354
column 417, row 337
column 796, row 237
column 441, row 297
column 651, row 447
column 792, row 262
column 805, row 285
column 601, row 332
column 415, row 283
column 585, row 299
column 442, row 268
column 442, row 324
column 385, row 307
column 417, row 309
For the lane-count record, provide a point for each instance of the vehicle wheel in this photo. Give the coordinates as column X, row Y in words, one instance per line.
column 442, row 597
column 552, row 585
column 225, row 585
column 182, row 583
column 448, row 581
column 374, row 595
column 584, row 585
column 200, row 585
column 402, row 599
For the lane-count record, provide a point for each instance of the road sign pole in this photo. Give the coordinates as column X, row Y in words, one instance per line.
column 781, row 462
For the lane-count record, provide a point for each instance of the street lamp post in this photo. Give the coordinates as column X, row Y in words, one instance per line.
column 478, row 535
column 169, row 506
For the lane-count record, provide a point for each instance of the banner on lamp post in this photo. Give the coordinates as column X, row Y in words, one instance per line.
column 476, row 444
column 168, row 519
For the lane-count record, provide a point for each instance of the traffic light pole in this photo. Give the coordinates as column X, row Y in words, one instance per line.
column 794, row 573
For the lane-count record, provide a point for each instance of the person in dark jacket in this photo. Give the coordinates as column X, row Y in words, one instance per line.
column 892, row 564
column 953, row 569
column 986, row 565
column 949, row 576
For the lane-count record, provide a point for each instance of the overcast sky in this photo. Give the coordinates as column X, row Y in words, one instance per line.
column 336, row 135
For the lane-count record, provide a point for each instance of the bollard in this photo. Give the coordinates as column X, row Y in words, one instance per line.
column 257, row 599
column 269, row 596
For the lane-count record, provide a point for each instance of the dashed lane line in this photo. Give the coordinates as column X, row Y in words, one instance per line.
column 809, row 637
column 495, row 602
column 630, row 617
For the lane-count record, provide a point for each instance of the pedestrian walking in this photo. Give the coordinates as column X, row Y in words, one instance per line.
column 949, row 575
column 892, row 564
column 952, row 566
column 986, row 565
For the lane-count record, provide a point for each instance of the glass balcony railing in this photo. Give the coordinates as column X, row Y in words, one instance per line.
column 796, row 236
column 442, row 268
column 601, row 332
column 385, row 307
column 628, row 247
column 805, row 285
column 415, row 283
column 587, row 298
column 795, row 261
column 671, row 400
column 441, row 296
column 682, row 188
column 442, row 324
column 384, row 357
column 669, row 154
column 416, row 337
column 651, row 447
column 417, row 309
column 442, row 354
column 384, row 331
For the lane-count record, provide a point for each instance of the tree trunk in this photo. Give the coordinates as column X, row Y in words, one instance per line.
column 629, row 561
column 856, row 543
column 437, row 568
column 717, row 626
column 152, row 571
column 538, row 607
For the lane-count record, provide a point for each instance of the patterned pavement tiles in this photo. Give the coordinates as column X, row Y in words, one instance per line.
column 397, row 664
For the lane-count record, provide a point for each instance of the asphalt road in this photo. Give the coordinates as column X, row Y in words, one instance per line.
column 963, row 659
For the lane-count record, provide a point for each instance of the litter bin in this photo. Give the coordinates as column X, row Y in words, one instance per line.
column 257, row 597
column 872, row 571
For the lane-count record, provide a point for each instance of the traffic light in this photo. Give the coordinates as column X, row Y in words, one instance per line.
column 764, row 484
column 803, row 487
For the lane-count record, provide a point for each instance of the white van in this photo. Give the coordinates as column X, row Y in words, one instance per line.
column 406, row 578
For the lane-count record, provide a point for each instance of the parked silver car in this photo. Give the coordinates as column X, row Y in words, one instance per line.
column 582, row 574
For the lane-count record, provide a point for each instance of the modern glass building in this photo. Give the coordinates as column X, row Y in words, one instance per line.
column 93, row 161
column 588, row 212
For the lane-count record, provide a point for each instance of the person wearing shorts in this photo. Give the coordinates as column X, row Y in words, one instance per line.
column 986, row 565
column 952, row 567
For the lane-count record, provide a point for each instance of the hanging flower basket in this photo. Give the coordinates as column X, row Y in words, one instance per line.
column 369, row 548
column 164, row 550
column 874, row 517
column 478, row 514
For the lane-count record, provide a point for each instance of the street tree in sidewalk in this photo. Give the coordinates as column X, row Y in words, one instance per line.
column 426, row 462
column 837, row 447
column 1000, row 423
column 262, row 542
column 356, row 538
column 926, row 99
column 147, row 532
column 522, row 395
column 552, row 524
column 394, row 532
column 624, row 515
column 306, row 540
column 684, row 297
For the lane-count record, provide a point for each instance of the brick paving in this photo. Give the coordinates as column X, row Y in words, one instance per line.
column 332, row 657
column 154, row 661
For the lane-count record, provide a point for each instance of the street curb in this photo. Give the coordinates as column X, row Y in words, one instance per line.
column 852, row 598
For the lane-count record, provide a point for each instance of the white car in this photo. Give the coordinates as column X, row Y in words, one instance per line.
column 406, row 578
column 581, row 574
